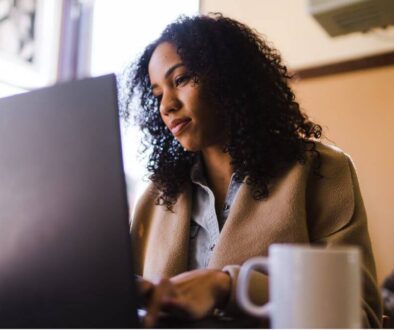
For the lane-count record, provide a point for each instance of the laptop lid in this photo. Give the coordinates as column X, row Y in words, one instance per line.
column 65, row 254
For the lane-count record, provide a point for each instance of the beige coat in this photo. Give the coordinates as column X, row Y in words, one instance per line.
column 301, row 208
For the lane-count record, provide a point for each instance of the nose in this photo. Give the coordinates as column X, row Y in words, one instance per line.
column 169, row 103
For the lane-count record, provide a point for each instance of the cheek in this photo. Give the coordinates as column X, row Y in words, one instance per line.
column 205, row 111
column 210, row 117
column 164, row 119
column 207, row 117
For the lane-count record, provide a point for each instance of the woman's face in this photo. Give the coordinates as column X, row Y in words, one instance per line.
column 189, row 117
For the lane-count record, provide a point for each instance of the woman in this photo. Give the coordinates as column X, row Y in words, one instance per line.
column 235, row 166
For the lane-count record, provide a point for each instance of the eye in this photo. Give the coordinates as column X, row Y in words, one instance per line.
column 181, row 80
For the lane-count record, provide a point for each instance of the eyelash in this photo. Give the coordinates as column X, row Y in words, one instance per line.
column 181, row 80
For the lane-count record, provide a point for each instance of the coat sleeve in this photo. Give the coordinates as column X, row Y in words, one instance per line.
column 335, row 216
column 354, row 231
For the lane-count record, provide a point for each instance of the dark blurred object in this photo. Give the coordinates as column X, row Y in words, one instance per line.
column 65, row 250
column 388, row 301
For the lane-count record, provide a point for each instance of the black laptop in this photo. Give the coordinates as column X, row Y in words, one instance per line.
column 65, row 251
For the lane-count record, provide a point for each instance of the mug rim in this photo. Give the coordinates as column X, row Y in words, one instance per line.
column 310, row 248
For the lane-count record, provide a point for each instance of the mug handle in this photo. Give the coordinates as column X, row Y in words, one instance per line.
column 257, row 263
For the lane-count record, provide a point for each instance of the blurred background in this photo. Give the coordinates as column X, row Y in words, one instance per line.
column 340, row 51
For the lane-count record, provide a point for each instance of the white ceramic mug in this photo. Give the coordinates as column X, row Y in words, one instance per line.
column 309, row 287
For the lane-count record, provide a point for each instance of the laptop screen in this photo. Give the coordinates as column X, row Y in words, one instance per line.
column 65, row 252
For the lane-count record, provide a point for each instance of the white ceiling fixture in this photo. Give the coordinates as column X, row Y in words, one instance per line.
column 339, row 17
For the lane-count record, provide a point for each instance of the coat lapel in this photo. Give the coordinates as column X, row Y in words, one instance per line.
column 253, row 225
column 162, row 243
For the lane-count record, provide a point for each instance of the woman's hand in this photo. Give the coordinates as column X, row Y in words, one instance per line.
column 193, row 294
column 145, row 289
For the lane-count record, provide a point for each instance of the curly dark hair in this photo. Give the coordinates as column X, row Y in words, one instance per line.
column 244, row 78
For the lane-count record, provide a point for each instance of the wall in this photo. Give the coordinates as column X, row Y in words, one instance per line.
column 356, row 109
column 297, row 35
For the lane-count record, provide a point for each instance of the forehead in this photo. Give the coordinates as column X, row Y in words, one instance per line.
column 164, row 56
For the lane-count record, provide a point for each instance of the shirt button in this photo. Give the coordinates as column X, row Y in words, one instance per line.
column 226, row 207
column 212, row 247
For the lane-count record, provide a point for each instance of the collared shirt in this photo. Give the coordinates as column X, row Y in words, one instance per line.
column 205, row 226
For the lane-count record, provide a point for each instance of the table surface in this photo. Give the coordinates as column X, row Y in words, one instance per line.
column 213, row 322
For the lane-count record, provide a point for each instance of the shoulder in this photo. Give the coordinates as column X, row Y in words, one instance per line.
column 148, row 196
column 332, row 190
column 147, row 206
column 330, row 159
column 146, row 203
column 324, row 171
column 331, row 172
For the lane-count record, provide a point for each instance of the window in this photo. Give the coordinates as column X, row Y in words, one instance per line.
column 7, row 90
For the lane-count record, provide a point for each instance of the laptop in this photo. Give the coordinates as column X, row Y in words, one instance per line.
column 65, row 250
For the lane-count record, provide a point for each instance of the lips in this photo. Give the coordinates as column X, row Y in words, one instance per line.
column 177, row 126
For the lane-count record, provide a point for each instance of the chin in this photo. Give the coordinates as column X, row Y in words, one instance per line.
column 190, row 147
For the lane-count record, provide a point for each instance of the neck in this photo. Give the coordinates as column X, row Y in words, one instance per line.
column 217, row 164
column 218, row 171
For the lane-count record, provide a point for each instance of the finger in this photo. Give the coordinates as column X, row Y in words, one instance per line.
column 155, row 303
column 145, row 287
column 161, row 290
column 145, row 290
column 185, row 306
column 176, row 307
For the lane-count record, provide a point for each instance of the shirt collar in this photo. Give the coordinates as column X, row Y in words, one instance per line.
column 197, row 173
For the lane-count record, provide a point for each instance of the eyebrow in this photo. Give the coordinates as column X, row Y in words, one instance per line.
column 168, row 72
